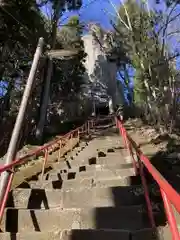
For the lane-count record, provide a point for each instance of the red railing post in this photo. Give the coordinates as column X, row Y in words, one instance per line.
column 170, row 216
column 5, row 196
column 146, row 193
column 59, row 152
column 44, row 163
column 71, row 142
column 122, row 132
column 133, row 159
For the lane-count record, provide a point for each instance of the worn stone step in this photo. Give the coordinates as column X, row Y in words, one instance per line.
column 105, row 143
column 64, row 167
column 84, row 155
column 92, row 197
column 114, row 158
column 69, row 235
column 81, row 146
column 106, row 197
column 77, row 183
column 160, row 233
column 99, row 173
column 96, row 173
column 34, row 198
column 129, row 218
column 110, row 158
column 63, row 172
column 100, row 146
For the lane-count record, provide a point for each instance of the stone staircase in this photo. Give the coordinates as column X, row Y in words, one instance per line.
column 92, row 193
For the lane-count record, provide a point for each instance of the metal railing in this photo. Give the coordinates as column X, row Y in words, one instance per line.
column 169, row 195
column 56, row 145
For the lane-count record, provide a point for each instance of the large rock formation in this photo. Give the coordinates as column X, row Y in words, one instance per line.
column 101, row 76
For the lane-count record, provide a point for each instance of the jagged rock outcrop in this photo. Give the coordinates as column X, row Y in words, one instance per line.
column 101, row 77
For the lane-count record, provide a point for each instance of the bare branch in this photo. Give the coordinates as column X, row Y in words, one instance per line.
column 128, row 27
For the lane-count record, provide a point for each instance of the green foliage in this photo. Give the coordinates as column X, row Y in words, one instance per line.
column 64, row 4
column 168, row 2
column 145, row 46
column 21, row 25
column 70, row 34
column 69, row 74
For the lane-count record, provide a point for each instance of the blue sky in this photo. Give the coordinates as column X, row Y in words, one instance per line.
column 92, row 10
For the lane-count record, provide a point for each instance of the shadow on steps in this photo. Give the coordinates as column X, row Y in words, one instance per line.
column 128, row 219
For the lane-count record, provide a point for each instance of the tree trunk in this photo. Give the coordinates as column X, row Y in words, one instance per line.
column 43, row 110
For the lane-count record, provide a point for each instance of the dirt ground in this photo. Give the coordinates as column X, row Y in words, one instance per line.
column 149, row 140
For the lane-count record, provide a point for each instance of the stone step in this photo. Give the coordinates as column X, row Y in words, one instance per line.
column 64, row 167
column 112, row 158
column 77, row 183
column 69, row 235
column 96, row 173
column 81, row 146
column 99, row 146
column 160, row 233
column 129, row 218
column 80, row 170
column 89, row 234
column 85, row 154
column 94, row 197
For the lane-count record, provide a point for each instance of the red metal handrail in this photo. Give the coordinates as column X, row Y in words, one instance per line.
column 85, row 128
column 169, row 195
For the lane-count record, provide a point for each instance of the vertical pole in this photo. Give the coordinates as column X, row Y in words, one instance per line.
column 71, row 144
column 43, row 110
column 11, row 152
column 44, row 163
column 78, row 135
column 127, row 145
column 59, row 153
column 146, row 194
column 88, row 127
column 8, row 188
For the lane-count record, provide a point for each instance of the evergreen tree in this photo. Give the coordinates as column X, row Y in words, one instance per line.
column 68, row 74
